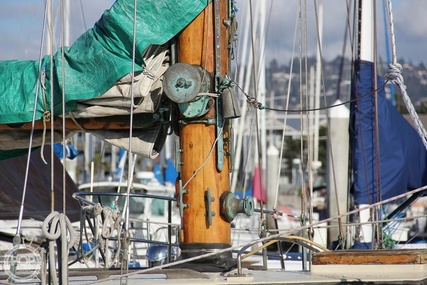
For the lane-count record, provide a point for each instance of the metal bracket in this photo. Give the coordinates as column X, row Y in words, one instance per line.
column 230, row 152
column 207, row 122
column 217, row 23
column 196, row 108
column 220, row 135
column 181, row 203
column 231, row 24
column 219, row 123
column 208, row 202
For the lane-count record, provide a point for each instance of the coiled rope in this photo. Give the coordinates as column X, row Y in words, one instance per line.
column 55, row 226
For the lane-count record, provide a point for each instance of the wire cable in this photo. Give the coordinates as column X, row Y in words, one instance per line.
column 252, row 101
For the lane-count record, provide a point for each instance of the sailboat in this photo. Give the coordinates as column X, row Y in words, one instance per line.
column 382, row 170
column 101, row 84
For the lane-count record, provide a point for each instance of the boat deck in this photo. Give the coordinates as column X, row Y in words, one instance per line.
column 406, row 266
column 335, row 267
column 372, row 275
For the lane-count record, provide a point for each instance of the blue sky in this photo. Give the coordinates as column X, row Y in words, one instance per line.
column 21, row 24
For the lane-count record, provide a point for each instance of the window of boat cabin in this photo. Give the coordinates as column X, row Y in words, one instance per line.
column 158, row 207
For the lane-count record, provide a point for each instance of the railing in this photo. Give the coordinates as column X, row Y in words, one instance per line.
column 315, row 247
column 104, row 225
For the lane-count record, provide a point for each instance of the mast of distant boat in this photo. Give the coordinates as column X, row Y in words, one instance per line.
column 367, row 53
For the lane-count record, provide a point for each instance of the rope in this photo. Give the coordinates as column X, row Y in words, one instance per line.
column 57, row 226
column 395, row 76
column 76, row 122
column 46, row 118
column 206, row 159
column 51, row 231
column 46, row 114
column 392, row 36
column 111, row 220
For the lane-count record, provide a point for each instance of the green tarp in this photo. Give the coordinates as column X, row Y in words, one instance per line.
column 96, row 60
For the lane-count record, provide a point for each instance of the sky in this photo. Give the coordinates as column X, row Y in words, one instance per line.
column 21, row 23
column 21, row 26
column 409, row 18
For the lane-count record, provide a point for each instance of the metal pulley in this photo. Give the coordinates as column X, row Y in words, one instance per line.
column 183, row 82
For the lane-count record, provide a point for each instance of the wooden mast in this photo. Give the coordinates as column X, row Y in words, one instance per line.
column 198, row 141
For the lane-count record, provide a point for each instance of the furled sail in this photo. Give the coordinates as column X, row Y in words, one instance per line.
column 399, row 163
column 98, row 63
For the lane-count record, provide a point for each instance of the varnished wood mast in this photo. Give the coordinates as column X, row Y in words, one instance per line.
column 196, row 47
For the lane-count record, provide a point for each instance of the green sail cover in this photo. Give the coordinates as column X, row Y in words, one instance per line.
column 96, row 60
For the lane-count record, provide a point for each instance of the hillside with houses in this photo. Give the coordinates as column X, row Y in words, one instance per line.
column 336, row 78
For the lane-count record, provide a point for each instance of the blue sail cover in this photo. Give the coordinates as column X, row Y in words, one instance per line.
column 402, row 158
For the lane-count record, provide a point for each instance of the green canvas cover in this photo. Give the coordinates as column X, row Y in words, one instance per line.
column 95, row 61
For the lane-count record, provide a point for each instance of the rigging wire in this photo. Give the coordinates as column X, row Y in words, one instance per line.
column 341, row 70
column 258, row 140
column 244, row 108
column 304, row 94
column 258, row 72
column 36, row 97
column 255, row 104
column 260, row 77
column 83, row 15
column 286, row 115
column 64, row 39
column 315, row 101
column 125, row 260
column 242, row 75
column 300, row 30
column 377, row 135
column 388, row 49
column 50, row 52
